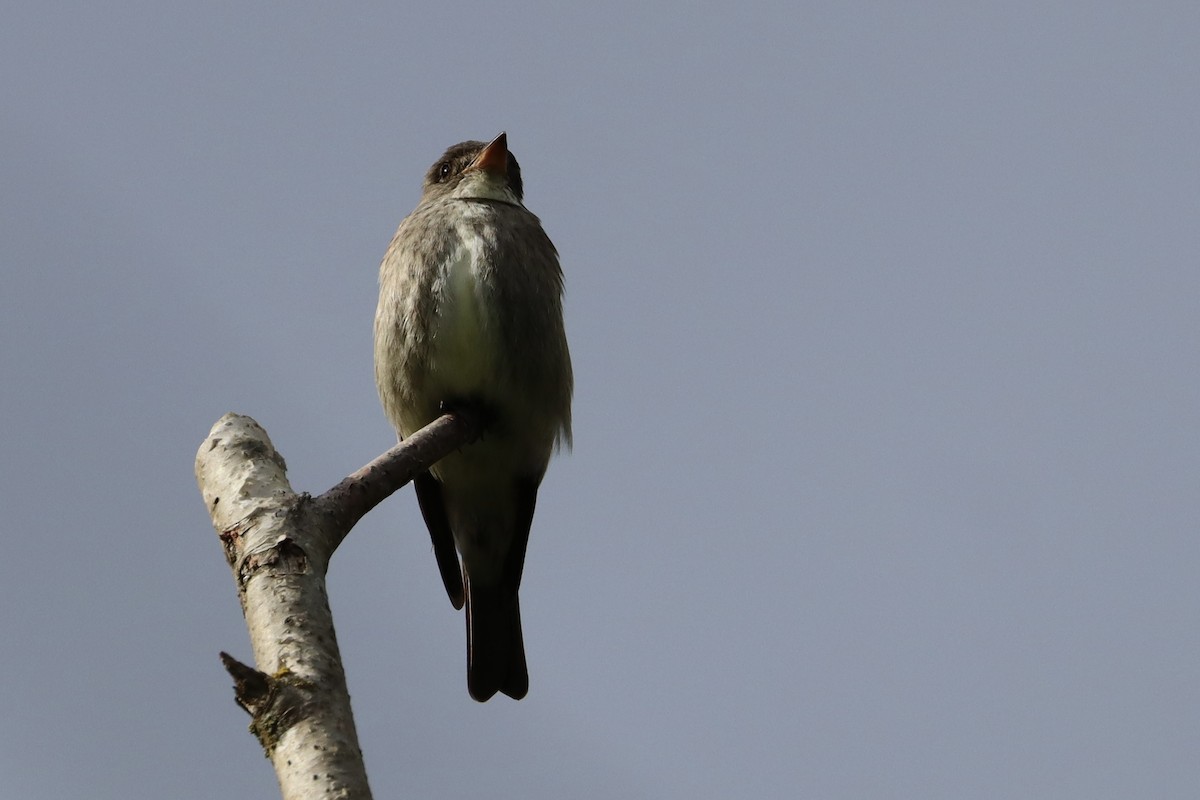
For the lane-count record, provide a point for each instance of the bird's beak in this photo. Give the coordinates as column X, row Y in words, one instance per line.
column 493, row 158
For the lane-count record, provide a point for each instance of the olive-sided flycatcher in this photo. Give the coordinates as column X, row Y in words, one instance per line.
column 470, row 316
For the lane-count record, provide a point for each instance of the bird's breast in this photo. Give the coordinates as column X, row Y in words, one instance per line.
column 465, row 342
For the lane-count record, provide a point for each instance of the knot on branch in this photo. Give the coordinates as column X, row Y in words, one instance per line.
column 275, row 703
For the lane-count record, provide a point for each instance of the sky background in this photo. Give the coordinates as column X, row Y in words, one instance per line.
column 885, row 323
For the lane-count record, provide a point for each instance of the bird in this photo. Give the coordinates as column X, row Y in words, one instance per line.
column 470, row 317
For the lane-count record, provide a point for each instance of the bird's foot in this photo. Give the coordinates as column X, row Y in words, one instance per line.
column 472, row 408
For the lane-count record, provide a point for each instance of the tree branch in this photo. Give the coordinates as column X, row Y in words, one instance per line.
column 359, row 492
column 278, row 544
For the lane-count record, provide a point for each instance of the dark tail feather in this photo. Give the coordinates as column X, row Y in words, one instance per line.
column 495, row 648
column 433, row 509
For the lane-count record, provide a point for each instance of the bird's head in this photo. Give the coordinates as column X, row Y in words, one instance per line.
column 475, row 170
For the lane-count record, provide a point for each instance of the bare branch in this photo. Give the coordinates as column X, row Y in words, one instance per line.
column 350, row 500
column 278, row 544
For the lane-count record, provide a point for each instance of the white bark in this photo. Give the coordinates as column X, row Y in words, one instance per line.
column 279, row 544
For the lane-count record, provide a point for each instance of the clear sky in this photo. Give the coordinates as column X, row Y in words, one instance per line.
column 885, row 322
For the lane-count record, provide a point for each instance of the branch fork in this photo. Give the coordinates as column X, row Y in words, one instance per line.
column 278, row 544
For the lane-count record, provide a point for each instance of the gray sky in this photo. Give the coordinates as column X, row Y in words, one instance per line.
column 884, row 319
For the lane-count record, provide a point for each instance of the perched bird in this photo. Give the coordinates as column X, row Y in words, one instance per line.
column 470, row 316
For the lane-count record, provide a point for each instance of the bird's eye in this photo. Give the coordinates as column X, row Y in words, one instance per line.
column 443, row 170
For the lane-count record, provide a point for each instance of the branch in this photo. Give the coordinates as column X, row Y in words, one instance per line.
column 358, row 493
column 278, row 544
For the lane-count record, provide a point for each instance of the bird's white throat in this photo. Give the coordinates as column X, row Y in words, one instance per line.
column 479, row 185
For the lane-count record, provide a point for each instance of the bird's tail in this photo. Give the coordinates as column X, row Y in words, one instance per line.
column 495, row 647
